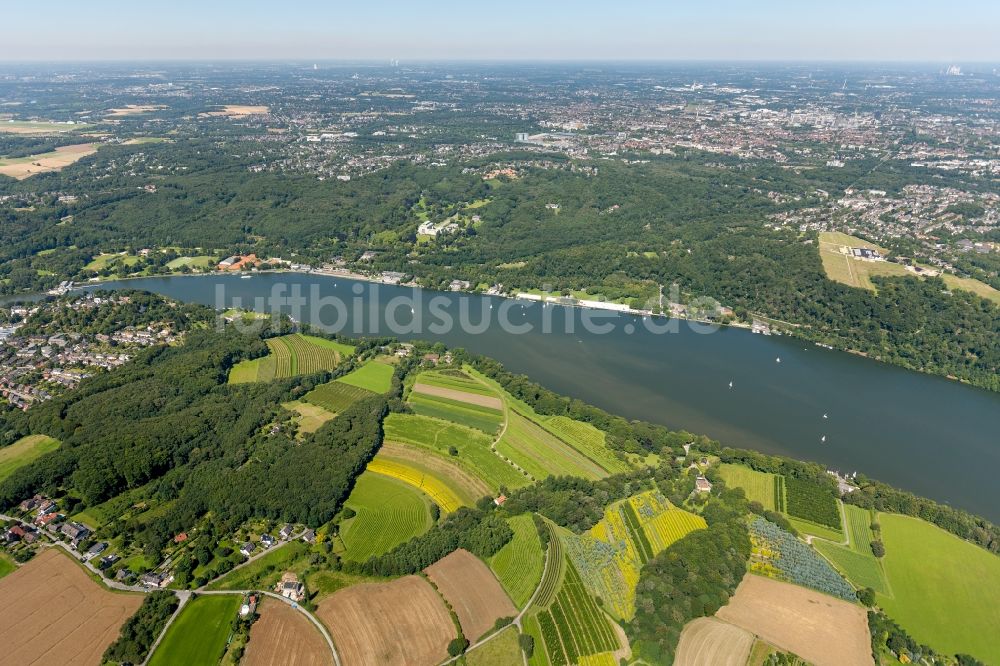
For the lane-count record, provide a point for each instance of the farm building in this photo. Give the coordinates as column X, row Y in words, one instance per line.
column 290, row 587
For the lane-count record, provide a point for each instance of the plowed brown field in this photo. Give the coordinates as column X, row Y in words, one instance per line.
column 51, row 612
column 284, row 636
column 472, row 590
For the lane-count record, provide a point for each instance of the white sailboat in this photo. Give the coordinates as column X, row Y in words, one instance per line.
column 777, row 360
column 823, row 438
column 730, row 385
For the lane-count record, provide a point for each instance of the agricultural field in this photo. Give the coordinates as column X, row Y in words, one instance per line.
column 56, row 160
column 708, row 641
column 291, row 355
column 466, row 485
column 610, row 555
column 285, row 636
column 519, row 563
column 503, row 650
column 586, row 439
column 48, row 604
column 7, row 565
column 541, row 453
column 820, row 629
column 389, row 512
column 335, row 396
column 457, row 380
column 812, row 501
column 461, row 412
column 198, row 636
column 459, row 395
column 944, row 590
column 779, row 555
column 815, row 529
column 23, row 451
column 237, row 111
column 472, row 591
column 856, row 561
column 473, row 446
column 437, row 489
column 768, row 489
column 38, row 127
column 399, row 623
column 310, row 416
column 573, row 625
column 373, row 376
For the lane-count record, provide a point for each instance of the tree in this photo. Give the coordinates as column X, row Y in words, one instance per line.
column 867, row 597
column 878, row 549
column 527, row 643
column 458, row 645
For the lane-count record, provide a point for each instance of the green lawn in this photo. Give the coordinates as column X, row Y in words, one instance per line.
column 473, row 446
column 373, row 376
column 198, row 636
column 861, row 570
column 389, row 512
column 945, row 591
column 519, row 563
column 245, row 371
column 6, row 565
column 24, row 451
column 200, row 261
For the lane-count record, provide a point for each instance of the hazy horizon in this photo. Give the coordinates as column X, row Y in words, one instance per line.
column 627, row 30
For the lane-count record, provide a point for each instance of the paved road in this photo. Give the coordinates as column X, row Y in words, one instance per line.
column 184, row 596
column 253, row 558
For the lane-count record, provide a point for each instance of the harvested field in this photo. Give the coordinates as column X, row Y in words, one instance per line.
column 25, row 167
column 134, row 110
column 37, row 127
column 461, row 396
column 819, row 628
column 708, row 641
column 283, row 635
column 238, row 111
column 51, row 612
column 401, row 623
column 472, row 590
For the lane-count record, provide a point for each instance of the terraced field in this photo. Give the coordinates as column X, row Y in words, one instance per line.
column 440, row 437
column 768, row 489
column 437, row 489
column 518, row 565
column 336, row 396
column 389, row 512
column 373, row 376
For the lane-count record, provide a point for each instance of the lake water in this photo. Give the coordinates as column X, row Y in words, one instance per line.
column 926, row 434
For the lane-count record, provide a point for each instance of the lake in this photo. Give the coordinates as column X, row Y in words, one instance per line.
column 926, row 434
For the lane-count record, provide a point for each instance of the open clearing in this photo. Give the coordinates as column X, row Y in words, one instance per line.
column 373, row 376
column 759, row 486
column 472, row 590
column 944, row 590
column 708, row 641
column 819, row 628
column 25, row 167
column 51, row 612
column 401, row 623
column 389, row 512
column 24, row 451
column 503, row 650
column 134, row 110
column 238, row 111
column 284, row 636
column 198, row 635
column 310, row 417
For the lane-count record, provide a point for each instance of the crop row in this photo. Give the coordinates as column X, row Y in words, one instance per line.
column 779, row 493
column 438, row 491
column 553, row 572
column 812, row 501
column 794, row 561
column 336, row 396
column 586, row 439
column 551, row 637
column 635, row 531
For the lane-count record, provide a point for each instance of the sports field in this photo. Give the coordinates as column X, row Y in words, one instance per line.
column 944, row 590
column 441, row 437
column 519, row 563
column 373, row 376
column 24, row 451
column 389, row 512
column 768, row 489
column 198, row 636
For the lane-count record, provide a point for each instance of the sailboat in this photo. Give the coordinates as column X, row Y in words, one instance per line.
column 730, row 385
column 823, row 438
column 824, row 416
column 777, row 360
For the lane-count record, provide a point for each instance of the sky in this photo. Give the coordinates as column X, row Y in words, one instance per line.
column 874, row 30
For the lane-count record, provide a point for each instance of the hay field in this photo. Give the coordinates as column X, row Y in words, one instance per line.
column 51, row 612
column 708, row 641
column 819, row 628
column 63, row 156
column 284, row 636
column 400, row 623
